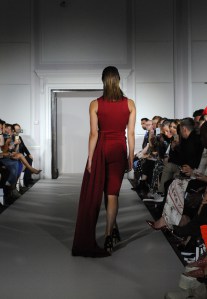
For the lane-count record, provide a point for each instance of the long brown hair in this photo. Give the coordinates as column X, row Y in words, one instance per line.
column 111, row 79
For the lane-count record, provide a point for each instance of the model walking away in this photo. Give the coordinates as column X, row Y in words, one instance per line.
column 110, row 115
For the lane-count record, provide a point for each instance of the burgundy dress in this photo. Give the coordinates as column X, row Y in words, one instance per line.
column 108, row 166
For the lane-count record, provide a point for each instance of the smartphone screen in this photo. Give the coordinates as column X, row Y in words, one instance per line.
column 157, row 131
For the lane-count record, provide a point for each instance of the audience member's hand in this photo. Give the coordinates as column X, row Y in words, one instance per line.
column 174, row 143
column 30, row 156
column 17, row 141
column 201, row 177
column 187, row 170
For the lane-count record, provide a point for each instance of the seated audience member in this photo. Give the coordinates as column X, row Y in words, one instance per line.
column 174, row 127
column 156, row 121
column 11, row 145
column 167, row 153
column 187, row 152
column 205, row 114
column 13, row 168
column 25, row 152
column 14, row 162
column 197, row 114
column 190, row 158
column 153, row 164
column 196, row 117
column 163, row 142
column 143, row 124
column 201, row 120
column 140, row 156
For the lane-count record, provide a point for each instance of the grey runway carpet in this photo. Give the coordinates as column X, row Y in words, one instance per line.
column 36, row 234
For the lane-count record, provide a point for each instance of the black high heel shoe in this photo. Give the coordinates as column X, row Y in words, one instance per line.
column 108, row 244
column 115, row 236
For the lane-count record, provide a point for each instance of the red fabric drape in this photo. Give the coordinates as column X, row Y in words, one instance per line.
column 84, row 243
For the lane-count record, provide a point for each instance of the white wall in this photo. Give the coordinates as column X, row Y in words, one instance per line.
column 154, row 59
column 137, row 36
column 15, row 62
column 16, row 70
column 85, row 33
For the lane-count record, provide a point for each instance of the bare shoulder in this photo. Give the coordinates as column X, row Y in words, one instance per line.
column 131, row 105
column 94, row 105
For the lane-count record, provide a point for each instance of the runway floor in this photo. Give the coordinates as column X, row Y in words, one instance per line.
column 36, row 234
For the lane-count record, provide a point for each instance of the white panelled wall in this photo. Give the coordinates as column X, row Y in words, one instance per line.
column 160, row 48
column 154, row 59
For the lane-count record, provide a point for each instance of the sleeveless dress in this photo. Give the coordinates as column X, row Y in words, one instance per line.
column 108, row 166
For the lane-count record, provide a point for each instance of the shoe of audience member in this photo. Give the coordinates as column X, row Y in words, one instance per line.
column 138, row 186
column 197, row 292
column 198, row 273
column 200, row 263
column 158, row 197
column 150, row 194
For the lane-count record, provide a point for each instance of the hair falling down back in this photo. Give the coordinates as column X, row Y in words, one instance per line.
column 111, row 79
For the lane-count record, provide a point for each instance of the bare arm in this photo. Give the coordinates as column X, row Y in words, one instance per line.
column 1, row 140
column 93, row 136
column 130, row 132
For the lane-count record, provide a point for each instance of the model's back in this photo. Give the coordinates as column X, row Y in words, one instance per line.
column 113, row 115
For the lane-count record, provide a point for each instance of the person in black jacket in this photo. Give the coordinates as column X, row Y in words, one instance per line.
column 191, row 147
column 24, row 150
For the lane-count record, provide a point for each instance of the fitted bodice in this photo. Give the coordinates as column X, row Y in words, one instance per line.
column 113, row 116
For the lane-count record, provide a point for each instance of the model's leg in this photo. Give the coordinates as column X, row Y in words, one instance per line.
column 115, row 231
column 111, row 213
column 116, row 160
